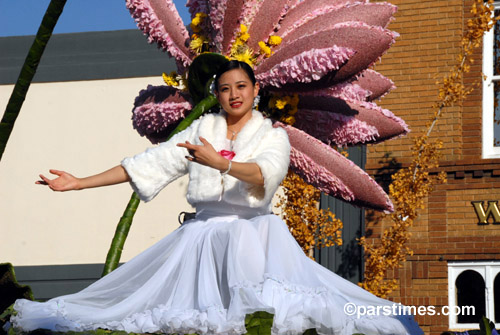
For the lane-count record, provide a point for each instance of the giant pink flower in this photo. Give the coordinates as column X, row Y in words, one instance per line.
column 327, row 49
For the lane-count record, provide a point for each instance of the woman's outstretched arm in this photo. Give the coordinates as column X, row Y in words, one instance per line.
column 68, row 182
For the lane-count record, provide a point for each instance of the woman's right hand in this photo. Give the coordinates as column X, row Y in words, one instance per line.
column 64, row 181
column 68, row 182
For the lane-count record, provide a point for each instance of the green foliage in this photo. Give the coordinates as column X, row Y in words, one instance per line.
column 259, row 323
column 28, row 71
column 486, row 327
column 5, row 317
column 10, row 290
column 201, row 72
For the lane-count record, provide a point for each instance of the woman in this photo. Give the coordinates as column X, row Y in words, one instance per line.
column 233, row 259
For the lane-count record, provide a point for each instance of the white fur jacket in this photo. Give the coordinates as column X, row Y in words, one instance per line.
column 257, row 142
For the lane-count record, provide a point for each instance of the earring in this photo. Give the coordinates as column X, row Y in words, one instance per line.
column 212, row 85
column 256, row 101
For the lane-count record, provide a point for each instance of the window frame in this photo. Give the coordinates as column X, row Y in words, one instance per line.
column 488, row 270
column 488, row 148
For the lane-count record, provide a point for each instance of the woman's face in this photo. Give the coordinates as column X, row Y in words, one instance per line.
column 236, row 93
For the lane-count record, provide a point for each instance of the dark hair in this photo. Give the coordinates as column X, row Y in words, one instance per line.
column 231, row 65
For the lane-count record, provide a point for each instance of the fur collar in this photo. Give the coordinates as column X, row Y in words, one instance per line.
column 213, row 127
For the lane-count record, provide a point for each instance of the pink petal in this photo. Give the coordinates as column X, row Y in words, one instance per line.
column 318, row 176
column 237, row 12
column 305, row 67
column 160, row 20
column 387, row 124
column 296, row 13
column 343, row 90
column 334, row 128
column 197, row 6
column 220, row 13
column 269, row 14
column 325, row 168
column 373, row 14
column 347, row 91
column 156, row 109
column 217, row 10
column 368, row 42
column 231, row 23
column 377, row 84
column 249, row 11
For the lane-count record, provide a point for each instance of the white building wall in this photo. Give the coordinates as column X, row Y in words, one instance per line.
column 83, row 127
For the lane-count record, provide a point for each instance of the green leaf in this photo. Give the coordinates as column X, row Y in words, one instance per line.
column 11, row 331
column 486, row 326
column 201, row 72
column 311, row 331
column 10, row 290
column 259, row 323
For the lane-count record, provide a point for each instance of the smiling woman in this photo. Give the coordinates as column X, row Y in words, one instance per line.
column 232, row 259
column 236, row 89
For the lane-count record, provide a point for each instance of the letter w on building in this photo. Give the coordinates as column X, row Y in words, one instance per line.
column 483, row 215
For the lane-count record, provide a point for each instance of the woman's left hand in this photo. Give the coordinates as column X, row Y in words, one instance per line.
column 204, row 154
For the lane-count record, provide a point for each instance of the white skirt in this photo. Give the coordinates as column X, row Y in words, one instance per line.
column 207, row 275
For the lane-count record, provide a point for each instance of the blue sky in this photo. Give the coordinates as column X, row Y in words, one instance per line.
column 23, row 17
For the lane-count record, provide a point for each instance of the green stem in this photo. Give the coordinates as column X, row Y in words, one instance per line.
column 123, row 227
column 28, row 71
column 121, row 233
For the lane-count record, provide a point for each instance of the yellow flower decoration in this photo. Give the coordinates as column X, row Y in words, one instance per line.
column 240, row 50
column 198, row 19
column 246, row 56
column 175, row 80
column 280, row 104
column 264, row 49
column 198, row 40
column 170, row 80
column 274, row 41
column 288, row 119
column 195, row 29
column 244, row 35
column 286, row 106
column 197, row 43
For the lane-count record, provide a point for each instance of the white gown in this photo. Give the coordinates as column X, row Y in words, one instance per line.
column 207, row 275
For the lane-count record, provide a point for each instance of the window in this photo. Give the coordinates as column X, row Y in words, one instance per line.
column 473, row 284
column 491, row 90
column 470, row 291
